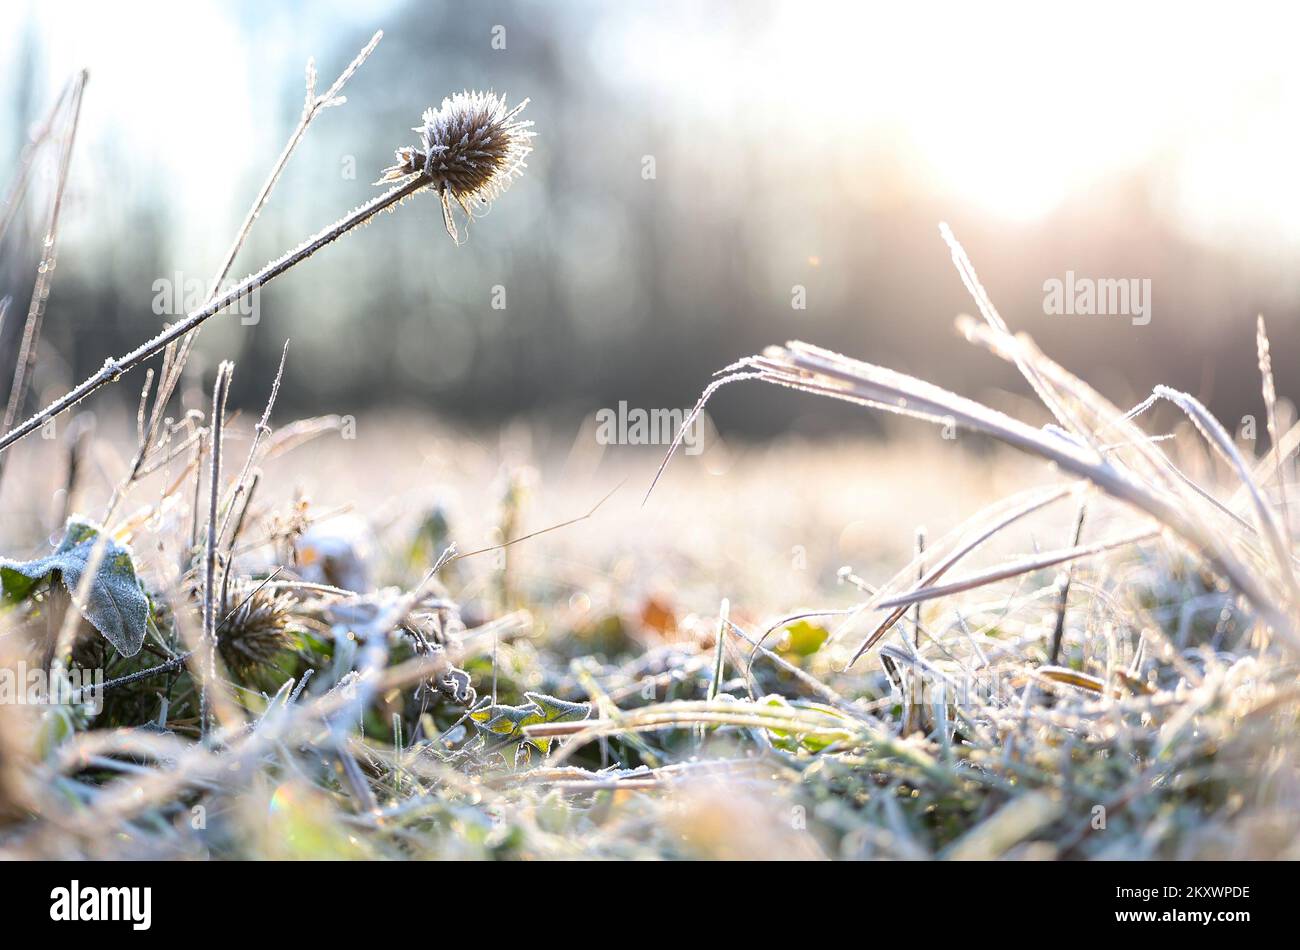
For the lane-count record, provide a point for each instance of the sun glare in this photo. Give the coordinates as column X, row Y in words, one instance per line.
column 1045, row 103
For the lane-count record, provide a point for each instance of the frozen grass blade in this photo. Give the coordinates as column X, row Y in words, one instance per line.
column 1221, row 442
column 49, row 258
column 1274, row 434
column 942, row 567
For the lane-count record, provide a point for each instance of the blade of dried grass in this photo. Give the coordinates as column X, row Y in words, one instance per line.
column 811, row 369
column 45, row 272
column 1270, row 407
column 1214, row 433
column 1015, row 568
column 1135, row 448
column 1148, row 461
column 1027, row 369
column 220, row 391
column 18, row 185
column 262, row 428
column 946, row 563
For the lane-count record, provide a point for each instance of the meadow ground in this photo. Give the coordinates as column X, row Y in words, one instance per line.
column 618, row 728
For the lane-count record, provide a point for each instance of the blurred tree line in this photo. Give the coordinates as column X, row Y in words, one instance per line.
column 651, row 242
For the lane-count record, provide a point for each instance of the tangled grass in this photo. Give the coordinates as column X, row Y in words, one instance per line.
column 1130, row 692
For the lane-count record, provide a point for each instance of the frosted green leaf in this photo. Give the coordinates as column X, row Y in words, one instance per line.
column 511, row 720
column 557, row 710
column 805, row 638
column 116, row 605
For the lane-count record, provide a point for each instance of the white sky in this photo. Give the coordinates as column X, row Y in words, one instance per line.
column 1014, row 106
column 1013, row 110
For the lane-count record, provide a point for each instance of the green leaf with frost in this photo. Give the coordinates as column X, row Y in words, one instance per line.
column 116, row 605
column 804, row 638
column 810, row 741
column 557, row 710
column 540, row 708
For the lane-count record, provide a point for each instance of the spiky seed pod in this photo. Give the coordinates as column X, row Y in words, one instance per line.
column 470, row 149
column 257, row 630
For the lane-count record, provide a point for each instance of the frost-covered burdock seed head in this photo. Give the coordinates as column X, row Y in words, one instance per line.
column 470, row 148
column 256, row 630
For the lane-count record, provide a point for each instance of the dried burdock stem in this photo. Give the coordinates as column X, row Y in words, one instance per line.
column 198, row 486
column 472, row 148
column 243, row 513
column 175, row 663
column 174, row 362
column 263, row 428
column 169, row 452
column 223, row 712
column 45, row 273
column 144, row 401
column 223, row 564
column 114, row 369
column 220, row 391
column 18, row 186
column 1064, row 598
